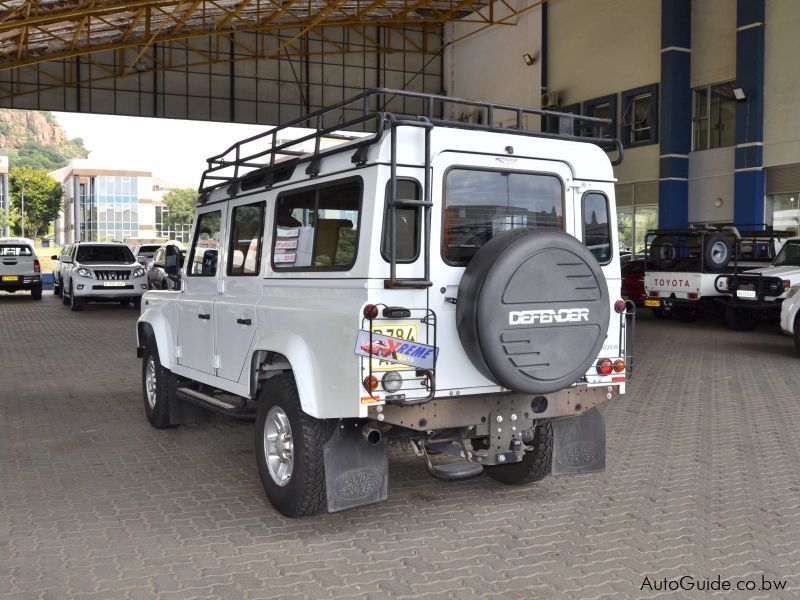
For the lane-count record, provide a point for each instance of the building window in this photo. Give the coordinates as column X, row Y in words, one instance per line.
column 180, row 233
column 601, row 108
column 640, row 116
column 714, row 117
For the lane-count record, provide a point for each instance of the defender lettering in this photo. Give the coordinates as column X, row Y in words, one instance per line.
column 548, row 315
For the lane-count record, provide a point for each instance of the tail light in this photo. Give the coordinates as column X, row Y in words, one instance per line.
column 604, row 366
column 37, row 268
column 787, row 284
column 619, row 365
column 370, row 383
column 370, row 311
column 693, row 296
column 619, row 306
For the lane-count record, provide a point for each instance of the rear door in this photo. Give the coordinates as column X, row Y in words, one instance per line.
column 16, row 260
column 235, row 310
column 479, row 197
column 202, row 285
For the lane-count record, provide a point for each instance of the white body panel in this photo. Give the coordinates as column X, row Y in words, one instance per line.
column 789, row 311
column 312, row 318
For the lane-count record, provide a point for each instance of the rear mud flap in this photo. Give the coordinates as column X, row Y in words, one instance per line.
column 356, row 472
column 579, row 444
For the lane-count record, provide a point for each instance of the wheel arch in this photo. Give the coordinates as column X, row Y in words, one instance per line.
column 286, row 352
column 155, row 326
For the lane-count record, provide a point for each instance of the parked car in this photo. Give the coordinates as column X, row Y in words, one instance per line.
column 101, row 272
column 144, row 254
column 19, row 267
column 507, row 331
column 790, row 315
column 157, row 276
column 633, row 280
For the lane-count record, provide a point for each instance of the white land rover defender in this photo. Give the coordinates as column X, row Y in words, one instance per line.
column 451, row 287
column 685, row 266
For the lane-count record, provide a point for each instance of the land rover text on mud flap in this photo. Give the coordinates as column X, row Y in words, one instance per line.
column 684, row 265
column 452, row 288
column 757, row 294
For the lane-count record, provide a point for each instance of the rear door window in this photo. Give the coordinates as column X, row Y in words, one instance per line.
column 596, row 226
column 15, row 250
column 480, row 204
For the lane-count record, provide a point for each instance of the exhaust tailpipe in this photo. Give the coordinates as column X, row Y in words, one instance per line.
column 371, row 434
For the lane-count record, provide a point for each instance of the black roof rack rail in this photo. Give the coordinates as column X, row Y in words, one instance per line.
column 367, row 115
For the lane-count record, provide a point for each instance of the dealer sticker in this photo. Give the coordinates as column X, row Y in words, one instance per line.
column 395, row 350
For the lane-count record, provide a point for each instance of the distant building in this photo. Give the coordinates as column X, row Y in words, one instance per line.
column 108, row 204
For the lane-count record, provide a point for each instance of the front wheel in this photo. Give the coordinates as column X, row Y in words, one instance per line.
column 797, row 333
column 155, row 388
column 534, row 466
column 75, row 304
column 289, row 450
column 56, row 288
column 739, row 319
column 137, row 303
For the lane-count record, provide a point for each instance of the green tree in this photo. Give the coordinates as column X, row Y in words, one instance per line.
column 180, row 204
column 42, row 200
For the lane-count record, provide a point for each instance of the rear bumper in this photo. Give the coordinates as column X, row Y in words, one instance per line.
column 24, row 282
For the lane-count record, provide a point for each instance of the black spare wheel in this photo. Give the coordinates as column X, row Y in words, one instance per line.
column 717, row 251
column 533, row 310
column 663, row 252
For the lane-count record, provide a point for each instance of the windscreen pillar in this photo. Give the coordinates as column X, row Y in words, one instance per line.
column 749, row 183
column 676, row 113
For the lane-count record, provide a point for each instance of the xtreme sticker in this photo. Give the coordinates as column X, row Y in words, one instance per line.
column 395, row 350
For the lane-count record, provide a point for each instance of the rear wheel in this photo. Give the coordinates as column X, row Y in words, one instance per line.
column 662, row 313
column 155, row 387
column 289, row 450
column 64, row 296
column 739, row 319
column 535, row 465
column 57, row 288
column 36, row 293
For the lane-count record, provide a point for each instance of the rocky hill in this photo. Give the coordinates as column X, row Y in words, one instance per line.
column 35, row 139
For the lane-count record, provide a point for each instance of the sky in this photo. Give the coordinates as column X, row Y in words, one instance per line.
column 174, row 150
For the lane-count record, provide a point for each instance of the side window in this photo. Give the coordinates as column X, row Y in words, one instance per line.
column 407, row 227
column 317, row 229
column 205, row 246
column 247, row 235
column 159, row 255
column 596, row 227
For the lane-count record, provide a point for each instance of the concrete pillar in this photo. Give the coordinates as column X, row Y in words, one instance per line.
column 749, row 182
column 675, row 125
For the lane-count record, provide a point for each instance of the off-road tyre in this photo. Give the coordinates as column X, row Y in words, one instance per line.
column 64, row 296
column 717, row 251
column 739, row 319
column 797, row 333
column 75, row 304
column 304, row 493
column 137, row 303
column 663, row 253
column 158, row 414
column 36, row 293
column 534, row 466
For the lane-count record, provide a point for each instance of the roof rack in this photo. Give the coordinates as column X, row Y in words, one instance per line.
column 367, row 114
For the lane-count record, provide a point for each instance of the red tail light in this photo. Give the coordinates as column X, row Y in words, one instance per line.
column 370, row 311
column 370, row 383
column 619, row 365
column 604, row 366
column 619, row 306
column 37, row 268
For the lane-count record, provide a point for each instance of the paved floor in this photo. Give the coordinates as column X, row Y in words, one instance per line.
column 703, row 480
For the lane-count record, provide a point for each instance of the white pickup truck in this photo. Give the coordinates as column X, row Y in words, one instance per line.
column 686, row 266
column 19, row 267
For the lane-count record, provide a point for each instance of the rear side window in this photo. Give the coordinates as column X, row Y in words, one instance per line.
column 316, row 229
column 481, row 204
column 596, row 226
column 205, row 247
column 247, row 236
column 407, row 226
column 15, row 250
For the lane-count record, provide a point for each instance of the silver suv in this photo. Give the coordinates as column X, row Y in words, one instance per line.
column 19, row 267
column 97, row 272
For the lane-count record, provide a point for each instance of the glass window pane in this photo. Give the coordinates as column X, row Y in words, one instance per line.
column 482, row 204
column 407, row 226
column 640, row 115
column 205, row 249
column 246, row 238
column 596, row 228
column 337, row 226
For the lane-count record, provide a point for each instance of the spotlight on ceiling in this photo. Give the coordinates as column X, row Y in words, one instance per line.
column 529, row 59
column 739, row 94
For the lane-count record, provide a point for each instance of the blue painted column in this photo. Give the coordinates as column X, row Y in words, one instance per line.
column 675, row 125
column 749, row 186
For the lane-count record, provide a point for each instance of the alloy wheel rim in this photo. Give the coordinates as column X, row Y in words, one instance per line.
column 719, row 251
column 150, row 383
column 278, row 446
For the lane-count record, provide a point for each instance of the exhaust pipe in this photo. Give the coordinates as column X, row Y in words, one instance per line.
column 371, row 434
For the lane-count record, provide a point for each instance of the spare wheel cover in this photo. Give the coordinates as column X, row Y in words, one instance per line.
column 533, row 310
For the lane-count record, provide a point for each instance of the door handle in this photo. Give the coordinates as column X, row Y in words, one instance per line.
column 204, row 316
column 244, row 321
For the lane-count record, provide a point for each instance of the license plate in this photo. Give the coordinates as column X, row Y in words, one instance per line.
column 113, row 284
column 406, row 331
column 10, row 278
column 653, row 303
column 745, row 293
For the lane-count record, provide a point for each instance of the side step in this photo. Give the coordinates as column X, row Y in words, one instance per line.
column 214, row 404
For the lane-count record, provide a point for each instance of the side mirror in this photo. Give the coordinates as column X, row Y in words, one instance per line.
column 171, row 266
column 54, row 257
column 65, row 259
